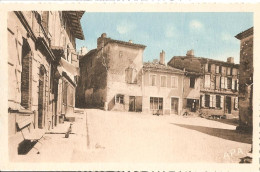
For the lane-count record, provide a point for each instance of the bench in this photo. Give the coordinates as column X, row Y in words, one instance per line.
column 29, row 134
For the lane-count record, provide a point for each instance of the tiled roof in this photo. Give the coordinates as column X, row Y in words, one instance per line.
column 159, row 67
column 245, row 33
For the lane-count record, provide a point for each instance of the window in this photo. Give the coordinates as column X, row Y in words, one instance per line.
column 217, row 69
column 156, row 103
column 209, row 68
column 224, row 83
column 174, row 82
column 207, row 81
column 163, row 81
column 229, row 83
column 218, row 101
column 120, row 98
column 207, row 100
column 131, row 75
column 152, row 80
column 228, row 71
column 192, row 82
column 233, row 84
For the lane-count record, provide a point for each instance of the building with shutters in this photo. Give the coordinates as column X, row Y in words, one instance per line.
column 42, row 66
column 111, row 76
column 162, row 87
column 246, row 71
column 218, row 84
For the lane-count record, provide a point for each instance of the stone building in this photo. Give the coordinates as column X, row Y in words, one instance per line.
column 42, row 66
column 218, row 84
column 246, row 71
column 111, row 76
column 162, row 87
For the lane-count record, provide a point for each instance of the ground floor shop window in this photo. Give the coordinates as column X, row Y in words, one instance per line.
column 120, row 98
column 156, row 103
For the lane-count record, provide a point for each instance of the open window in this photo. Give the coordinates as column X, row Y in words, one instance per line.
column 119, row 99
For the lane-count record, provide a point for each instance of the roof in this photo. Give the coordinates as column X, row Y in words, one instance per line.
column 151, row 66
column 204, row 60
column 109, row 40
column 245, row 33
column 74, row 17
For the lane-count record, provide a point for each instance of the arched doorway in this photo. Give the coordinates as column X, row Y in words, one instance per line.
column 41, row 98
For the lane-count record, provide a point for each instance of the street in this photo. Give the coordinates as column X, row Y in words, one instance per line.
column 106, row 136
column 137, row 137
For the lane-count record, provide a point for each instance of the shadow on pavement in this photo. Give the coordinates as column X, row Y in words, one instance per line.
column 227, row 134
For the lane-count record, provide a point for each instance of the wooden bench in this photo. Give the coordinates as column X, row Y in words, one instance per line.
column 29, row 134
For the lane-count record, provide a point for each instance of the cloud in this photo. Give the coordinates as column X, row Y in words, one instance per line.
column 125, row 26
column 170, row 31
column 196, row 25
column 228, row 38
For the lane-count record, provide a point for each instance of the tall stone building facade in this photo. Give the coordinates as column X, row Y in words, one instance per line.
column 246, row 71
column 218, row 83
column 111, row 76
column 42, row 66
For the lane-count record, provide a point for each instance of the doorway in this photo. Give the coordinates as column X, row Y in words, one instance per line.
column 135, row 103
column 131, row 103
column 228, row 104
column 174, row 105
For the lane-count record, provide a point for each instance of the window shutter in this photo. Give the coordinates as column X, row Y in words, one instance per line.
column 134, row 73
column 203, row 100
column 214, row 100
column 222, row 101
column 236, row 102
column 237, row 85
column 217, row 69
column 206, row 67
column 222, row 82
column 225, row 82
column 211, row 101
column 233, row 84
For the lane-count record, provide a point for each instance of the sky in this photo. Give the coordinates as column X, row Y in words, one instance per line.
column 210, row 35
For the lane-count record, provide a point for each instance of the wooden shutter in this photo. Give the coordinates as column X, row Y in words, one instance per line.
column 222, row 101
column 222, row 83
column 237, row 85
column 217, row 69
column 236, row 103
column 203, row 100
column 206, row 67
column 213, row 100
column 225, row 82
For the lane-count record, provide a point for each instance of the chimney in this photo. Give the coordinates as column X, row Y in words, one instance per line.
column 162, row 58
column 83, row 50
column 101, row 41
column 190, row 53
column 230, row 59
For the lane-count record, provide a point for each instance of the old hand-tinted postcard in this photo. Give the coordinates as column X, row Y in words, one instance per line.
column 130, row 86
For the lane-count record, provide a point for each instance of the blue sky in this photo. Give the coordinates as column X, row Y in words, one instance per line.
column 210, row 35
